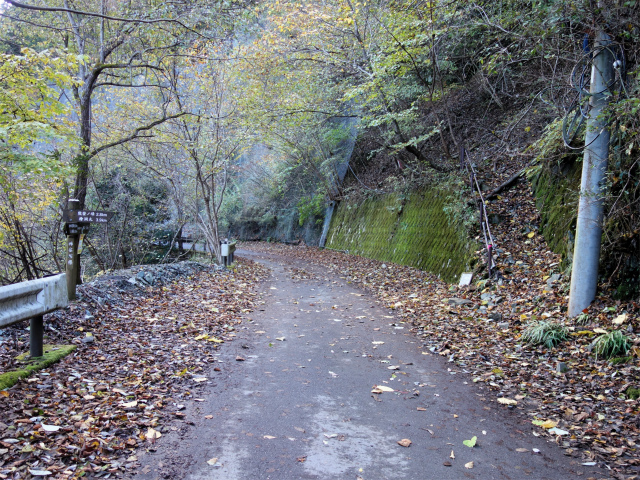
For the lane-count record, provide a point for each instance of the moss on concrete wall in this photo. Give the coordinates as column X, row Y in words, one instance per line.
column 557, row 190
column 409, row 230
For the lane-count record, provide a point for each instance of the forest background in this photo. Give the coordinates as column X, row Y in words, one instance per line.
column 212, row 119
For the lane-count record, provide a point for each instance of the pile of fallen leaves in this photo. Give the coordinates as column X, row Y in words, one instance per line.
column 586, row 403
column 140, row 355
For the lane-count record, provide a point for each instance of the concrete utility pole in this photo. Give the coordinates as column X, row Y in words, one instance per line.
column 586, row 252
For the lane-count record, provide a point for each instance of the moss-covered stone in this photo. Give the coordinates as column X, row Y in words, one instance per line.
column 409, row 230
column 52, row 354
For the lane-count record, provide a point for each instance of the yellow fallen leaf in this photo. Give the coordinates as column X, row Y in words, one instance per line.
column 203, row 336
column 381, row 388
column 405, row 442
column 507, row 401
column 600, row 330
column 214, row 339
column 212, row 461
column 620, row 319
column 531, row 234
column 269, row 437
column 468, row 465
column 549, row 424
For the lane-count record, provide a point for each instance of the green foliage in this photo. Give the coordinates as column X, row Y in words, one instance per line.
column 612, row 344
column 30, row 109
column 548, row 333
column 312, row 207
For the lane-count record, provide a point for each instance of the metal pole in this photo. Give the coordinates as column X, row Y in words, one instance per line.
column 36, row 335
column 586, row 252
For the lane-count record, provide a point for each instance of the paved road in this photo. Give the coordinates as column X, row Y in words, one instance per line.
column 300, row 406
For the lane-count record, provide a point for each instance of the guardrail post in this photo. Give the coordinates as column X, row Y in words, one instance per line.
column 36, row 335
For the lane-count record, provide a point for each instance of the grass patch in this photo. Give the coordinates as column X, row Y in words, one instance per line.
column 632, row 393
column 52, row 353
column 545, row 333
column 611, row 345
column 583, row 319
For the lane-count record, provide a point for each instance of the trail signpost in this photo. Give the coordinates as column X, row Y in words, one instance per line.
column 76, row 226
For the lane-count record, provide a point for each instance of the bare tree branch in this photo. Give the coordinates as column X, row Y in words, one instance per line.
column 136, row 133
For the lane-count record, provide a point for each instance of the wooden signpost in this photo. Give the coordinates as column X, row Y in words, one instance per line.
column 76, row 226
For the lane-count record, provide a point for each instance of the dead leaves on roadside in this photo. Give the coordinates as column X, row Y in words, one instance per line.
column 86, row 415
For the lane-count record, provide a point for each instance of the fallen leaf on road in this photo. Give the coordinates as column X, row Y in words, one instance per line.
column 522, row 450
column 558, row 431
column 421, row 409
column 545, row 423
column 378, row 343
column 269, row 437
column 212, row 461
column 152, row 434
column 446, row 464
column 507, row 401
column 129, row 404
column 239, row 359
column 381, row 388
column 452, row 455
column 282, row 339
column 300, row 429
column 468, row 465
column 301, row 459
column 471, row 443
column 208, row 417
column 405, row 442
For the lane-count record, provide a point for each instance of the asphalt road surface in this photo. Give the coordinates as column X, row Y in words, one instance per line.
column 300, row 405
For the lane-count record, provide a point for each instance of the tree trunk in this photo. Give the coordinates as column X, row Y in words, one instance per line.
column 82, row 158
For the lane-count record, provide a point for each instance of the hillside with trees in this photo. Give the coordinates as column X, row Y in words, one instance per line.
column 200, row 121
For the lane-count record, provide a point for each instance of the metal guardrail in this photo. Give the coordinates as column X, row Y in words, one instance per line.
column 30, row 301
column 226, row 252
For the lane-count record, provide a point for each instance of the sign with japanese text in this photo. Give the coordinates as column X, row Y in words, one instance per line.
column 84, row 216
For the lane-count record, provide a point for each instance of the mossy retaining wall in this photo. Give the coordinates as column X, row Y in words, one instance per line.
column 411, row 230
column 557, row 189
